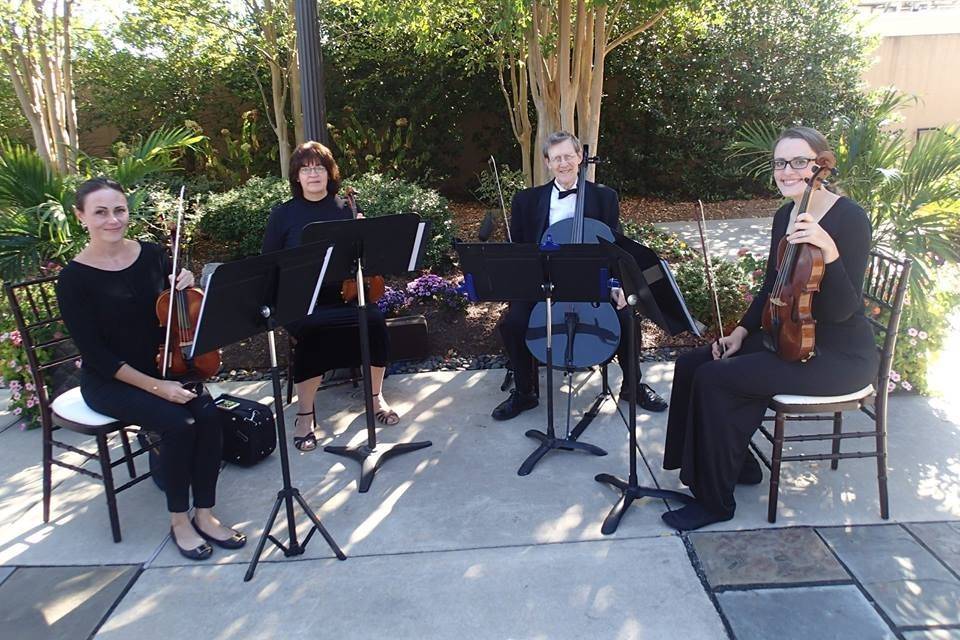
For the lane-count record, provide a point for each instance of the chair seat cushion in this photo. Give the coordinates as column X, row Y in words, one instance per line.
column 71, row 406
column 849, row 397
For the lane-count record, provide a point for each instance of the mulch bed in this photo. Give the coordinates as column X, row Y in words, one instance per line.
column 456, row 335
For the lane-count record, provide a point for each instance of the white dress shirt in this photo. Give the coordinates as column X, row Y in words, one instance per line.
column 561, row 209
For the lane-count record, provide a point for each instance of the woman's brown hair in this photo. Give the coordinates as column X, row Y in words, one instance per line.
column 308, row 154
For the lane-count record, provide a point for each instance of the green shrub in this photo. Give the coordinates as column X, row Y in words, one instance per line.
column 510, row 182
column 379, row 195
column 668, row 246
column 234, row 221
column 731, row 284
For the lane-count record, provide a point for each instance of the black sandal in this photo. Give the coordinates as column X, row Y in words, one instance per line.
column 308, row 442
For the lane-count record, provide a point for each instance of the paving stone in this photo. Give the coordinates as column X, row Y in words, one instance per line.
column 933, row 634
column 772, row 556
column 610, row 589
column 802, row 613
column 60, row 602
column 5, row 573
column 942, row 538
column 905, row 580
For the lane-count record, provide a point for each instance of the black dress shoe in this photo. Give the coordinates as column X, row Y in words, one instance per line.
column 235, row 541
column 647, row 399
column 202, row 552
column 516, row 404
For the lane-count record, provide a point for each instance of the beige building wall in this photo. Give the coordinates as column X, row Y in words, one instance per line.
column 919, row 54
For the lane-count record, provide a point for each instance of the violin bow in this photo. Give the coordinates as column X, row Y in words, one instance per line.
column 173, row 283
column 503, row 207
column 708, row 266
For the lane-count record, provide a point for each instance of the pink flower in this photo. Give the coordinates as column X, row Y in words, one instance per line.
column 15, row 395
column 758, row 273
column 912, row 332
column 906, row 386
column 742, row 251
column 31, row 403
column 15, row 338
column 894, row 376
column 17, row 411
column 748, row 297
column 29, row 386
column 922, row 335
column 14, row 385
column 77, row 363
column 890, row 387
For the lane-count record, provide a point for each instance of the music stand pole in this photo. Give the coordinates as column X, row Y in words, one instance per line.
column 370, row 456
column 631, row 489
column 288, row 493
column 549, row 440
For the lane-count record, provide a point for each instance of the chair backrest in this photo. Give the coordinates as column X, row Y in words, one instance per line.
column 51, row 354
column 884, row 290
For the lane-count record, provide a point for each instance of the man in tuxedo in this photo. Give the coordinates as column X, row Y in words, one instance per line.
column 531, row 212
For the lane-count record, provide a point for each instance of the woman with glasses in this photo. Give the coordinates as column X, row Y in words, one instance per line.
column 721, row 392
column 320, row 344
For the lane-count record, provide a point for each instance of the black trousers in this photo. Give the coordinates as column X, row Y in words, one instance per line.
column 513, row 331
column 330, row 339
column 192, row 439
column 717, row 405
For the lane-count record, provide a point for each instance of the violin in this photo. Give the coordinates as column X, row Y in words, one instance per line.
column 373, row 286
column 586, row 333
column 788, row 324
column 179, row 311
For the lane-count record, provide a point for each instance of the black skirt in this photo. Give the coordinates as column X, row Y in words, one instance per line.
column 330, row 339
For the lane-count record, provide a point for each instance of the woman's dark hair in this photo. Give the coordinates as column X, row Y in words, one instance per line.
column 312, row 153
column 92, row 185
column 812, row 137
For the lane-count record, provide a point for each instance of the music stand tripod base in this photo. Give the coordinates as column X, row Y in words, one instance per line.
column 549, row 443
column 371, row 459
column 630, row 492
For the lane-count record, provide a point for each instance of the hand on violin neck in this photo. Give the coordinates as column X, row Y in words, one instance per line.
column 807, row 230
column 184, row 280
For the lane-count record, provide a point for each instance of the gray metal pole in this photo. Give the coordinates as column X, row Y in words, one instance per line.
column 311, row 71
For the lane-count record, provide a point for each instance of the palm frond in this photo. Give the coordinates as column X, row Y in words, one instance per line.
column 754, row 143
column 25, row 179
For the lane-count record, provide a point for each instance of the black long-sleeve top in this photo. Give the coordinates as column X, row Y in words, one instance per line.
column 838, row 306
column 285, row 228
column 111, row 315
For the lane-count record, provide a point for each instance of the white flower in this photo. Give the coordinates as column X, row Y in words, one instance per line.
column 895, row 376
column 913, row 342
column 922, row 335
column 906, row 385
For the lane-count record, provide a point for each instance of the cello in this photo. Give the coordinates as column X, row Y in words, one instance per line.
column 587, row 333
column 787, row 321
column 178, row 311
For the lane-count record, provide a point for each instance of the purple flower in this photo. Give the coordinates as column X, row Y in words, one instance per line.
column 17, row 411
column 912, row 332
column 890, row 387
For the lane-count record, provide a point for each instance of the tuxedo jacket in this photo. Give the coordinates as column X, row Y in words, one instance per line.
column 530, row 210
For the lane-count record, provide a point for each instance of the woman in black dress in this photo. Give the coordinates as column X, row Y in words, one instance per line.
column 720, row 393
column 107, row 297
column 323, row 340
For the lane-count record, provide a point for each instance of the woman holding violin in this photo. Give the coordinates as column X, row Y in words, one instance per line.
column 107, row 296
column 315, row 182
column 720, row 392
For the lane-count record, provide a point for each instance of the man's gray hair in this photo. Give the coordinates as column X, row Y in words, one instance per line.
column 558, row 137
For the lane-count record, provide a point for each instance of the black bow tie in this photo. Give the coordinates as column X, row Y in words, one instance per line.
column 564, row 194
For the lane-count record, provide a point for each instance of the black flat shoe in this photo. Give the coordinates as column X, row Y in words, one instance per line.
column 516, row 404
column 693, row 516
column 202, row 552
column 647, row 399
column 235, row 541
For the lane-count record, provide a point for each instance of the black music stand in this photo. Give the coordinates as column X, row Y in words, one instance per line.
column 524, row 272
column 638, row 295
column 387, row 245
column 252, row 296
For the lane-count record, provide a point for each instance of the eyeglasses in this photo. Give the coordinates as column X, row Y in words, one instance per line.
column 564, row 158
column 779, row 164
column 316, row 169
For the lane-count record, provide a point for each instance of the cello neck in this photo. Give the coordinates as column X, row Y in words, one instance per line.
column 581, row 198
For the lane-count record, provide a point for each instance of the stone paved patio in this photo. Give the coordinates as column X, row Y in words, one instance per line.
column 450, row 542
